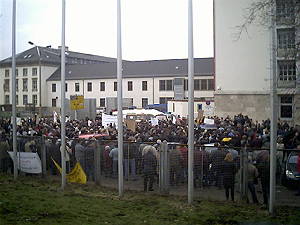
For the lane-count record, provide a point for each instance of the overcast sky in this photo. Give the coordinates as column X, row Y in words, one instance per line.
column 151, row 29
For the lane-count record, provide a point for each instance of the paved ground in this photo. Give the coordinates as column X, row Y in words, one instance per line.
column 284, row 196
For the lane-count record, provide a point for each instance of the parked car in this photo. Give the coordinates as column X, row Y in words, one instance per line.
column 290, row 174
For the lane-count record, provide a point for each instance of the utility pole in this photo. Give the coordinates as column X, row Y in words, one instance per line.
column 190, row 103
column 274, row 110
column 13, row 94
column 63, row 93
column 120, row 108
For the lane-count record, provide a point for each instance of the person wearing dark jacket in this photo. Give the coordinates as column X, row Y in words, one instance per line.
column 263, row 167
column 149, row 167
column 229, row 171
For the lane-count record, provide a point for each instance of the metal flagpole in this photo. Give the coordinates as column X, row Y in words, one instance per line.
column 13, row 93
column 120, row 108
column 274, row 114
column 63, row 114
column 190, row 103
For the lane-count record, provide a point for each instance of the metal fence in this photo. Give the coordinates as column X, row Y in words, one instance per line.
column 220, row 173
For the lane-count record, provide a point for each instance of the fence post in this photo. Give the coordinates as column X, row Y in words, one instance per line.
column 44, row 157
column 97, row 161
column 241, row 173
column 164, row 168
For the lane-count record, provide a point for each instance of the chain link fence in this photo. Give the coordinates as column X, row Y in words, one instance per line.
column 220, row 173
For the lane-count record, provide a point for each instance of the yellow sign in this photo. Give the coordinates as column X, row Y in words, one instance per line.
column 76, row 102
column 77, row 175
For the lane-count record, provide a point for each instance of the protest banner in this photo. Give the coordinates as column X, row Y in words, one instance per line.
column 28, row 162
column 154, row 121
column 109, row 119
column 131, row 125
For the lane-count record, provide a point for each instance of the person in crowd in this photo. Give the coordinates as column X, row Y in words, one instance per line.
column 229, row 171
column 263, row 166
column 130, row 154
column 252, row 177
column 175, row 165
column 53, row 153
column 217, row 158
column 149, row 167
column 90, row 148
column 80, row 153
column 4, row 157
column 107, row 162
column 114, row 155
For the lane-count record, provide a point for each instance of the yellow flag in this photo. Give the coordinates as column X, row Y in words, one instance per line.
column 226, row 139
column 77, row 175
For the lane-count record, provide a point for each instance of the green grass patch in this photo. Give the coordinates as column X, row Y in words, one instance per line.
column 31, row 200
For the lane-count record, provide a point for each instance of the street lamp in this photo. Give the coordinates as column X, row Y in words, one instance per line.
column 40, row 77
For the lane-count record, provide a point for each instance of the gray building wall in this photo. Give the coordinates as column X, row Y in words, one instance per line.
column 256, row 106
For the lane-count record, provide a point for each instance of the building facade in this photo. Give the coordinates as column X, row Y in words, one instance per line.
column 144, row 82
column 243, row 61
column 95, row 77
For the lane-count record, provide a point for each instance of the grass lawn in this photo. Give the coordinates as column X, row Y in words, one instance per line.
column 36, row 201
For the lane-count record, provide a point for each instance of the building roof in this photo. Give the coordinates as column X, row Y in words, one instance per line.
column 136, row 69
column 52, row 56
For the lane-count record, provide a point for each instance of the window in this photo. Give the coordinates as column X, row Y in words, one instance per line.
column 17, row 72
column 6, row 101
column 102, row 102
column 166, row 85
column 53, row 88
column 144, row 85
column 25, row 72
column 186, row 84
column 17, row 84
column 6, row 85
column 25, row 84
column 115, row 86
column 286, row 38
column 285, row 9
column 286, row 106
column 7, row 73
column 287, row 70
column 197, row 85
column 89, row 86
column 164, row 100
column 76, row 87
column 102, row 86
column 34, row 71
column 25, row 99
column 162, row 85
column 34, row 84
column 169, row 85
column 204, row 85
column 66, row 87
column 53, row 102
column 34, row 99
column 144, row 102
column 130, row 86
column 17, row 100
column 211, row 84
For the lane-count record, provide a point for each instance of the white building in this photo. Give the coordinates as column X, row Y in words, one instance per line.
column 145, row 82
column 94, row 77
column 242, row 65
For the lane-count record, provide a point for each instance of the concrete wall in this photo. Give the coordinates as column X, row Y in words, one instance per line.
column 255, row 106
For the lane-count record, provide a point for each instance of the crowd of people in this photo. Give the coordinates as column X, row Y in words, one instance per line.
column 216, row 165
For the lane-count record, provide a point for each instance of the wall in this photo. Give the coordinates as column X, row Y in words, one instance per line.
column 256, row 106
column 241, row 64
